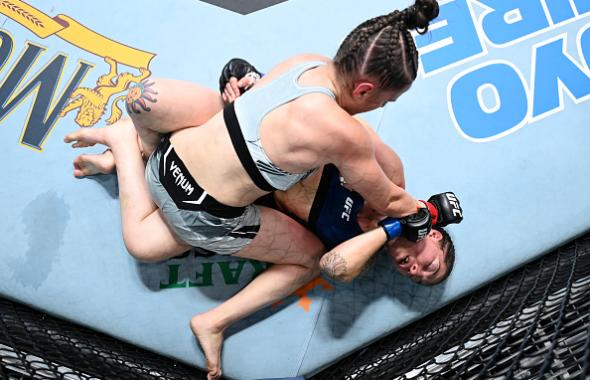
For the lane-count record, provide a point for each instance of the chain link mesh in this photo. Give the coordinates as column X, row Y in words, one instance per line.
column 532, row 323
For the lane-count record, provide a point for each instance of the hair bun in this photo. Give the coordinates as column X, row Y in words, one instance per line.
column 419, row 15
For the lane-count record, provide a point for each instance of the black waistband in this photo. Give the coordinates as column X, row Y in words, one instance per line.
column 237, row 139
column 184, row 190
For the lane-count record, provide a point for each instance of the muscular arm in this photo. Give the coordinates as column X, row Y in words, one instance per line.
column 355, row 156
column 386, row 157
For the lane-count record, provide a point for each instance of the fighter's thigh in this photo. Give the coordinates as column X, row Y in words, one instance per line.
column 281, row 240
column 173, row 105
column 153, row 240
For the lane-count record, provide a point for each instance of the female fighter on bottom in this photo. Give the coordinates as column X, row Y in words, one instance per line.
column 353, row 232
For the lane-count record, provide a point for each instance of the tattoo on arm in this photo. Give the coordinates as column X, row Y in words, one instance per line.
column 333, row 265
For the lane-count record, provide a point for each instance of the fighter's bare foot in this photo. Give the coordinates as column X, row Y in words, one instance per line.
column 211, row 341
column 119, row 133
column 92, row 164
column 85, row 137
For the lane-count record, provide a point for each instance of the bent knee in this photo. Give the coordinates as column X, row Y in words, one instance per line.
column 141, row 251
column 316, row 269
column 313, row 254
column 312, row 262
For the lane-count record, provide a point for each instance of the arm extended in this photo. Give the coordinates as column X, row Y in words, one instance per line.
column 348, row 259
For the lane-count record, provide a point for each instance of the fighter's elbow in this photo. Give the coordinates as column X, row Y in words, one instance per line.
column 346, row 279
column 334, row 265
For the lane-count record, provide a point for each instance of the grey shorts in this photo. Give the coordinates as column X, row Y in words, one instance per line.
column 197, row 218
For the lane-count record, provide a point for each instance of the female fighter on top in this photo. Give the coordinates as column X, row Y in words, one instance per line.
column 331, row 210
column 204, row 179
column 336, row 213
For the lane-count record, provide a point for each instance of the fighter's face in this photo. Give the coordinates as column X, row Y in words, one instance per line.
column 423, row 262
column 380, row 98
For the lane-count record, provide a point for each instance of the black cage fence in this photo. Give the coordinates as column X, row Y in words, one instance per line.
column 533, row 323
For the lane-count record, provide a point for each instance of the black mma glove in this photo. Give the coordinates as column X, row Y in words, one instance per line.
column 413, row 227
column 416, row 227
column 445, row 209
column 238, row 68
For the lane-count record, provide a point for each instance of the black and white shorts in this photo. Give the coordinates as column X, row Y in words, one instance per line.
column 196, row 217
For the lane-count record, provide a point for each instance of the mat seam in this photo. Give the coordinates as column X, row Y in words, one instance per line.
column 306, row 347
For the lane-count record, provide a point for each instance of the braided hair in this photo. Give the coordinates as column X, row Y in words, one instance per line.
column 383, row 48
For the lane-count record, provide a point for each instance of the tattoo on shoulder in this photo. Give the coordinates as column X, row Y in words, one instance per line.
column 333, row 265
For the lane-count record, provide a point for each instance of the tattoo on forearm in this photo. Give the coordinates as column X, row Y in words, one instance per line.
column 333, row 265
column 138, row 96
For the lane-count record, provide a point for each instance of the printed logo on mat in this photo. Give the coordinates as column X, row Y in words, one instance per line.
column 27, row 76
column 244, row 6
column 191, row 271
column 495, row 92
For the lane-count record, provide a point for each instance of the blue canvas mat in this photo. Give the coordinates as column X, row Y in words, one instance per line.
column 498, row 115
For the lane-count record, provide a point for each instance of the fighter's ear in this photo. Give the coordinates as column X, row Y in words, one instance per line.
column 435, row 234
column 362, row 89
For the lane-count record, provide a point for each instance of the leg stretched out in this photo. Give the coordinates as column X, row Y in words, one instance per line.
column 295, row 252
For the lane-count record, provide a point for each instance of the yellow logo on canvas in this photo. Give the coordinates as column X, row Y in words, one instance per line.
column 91, row 104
